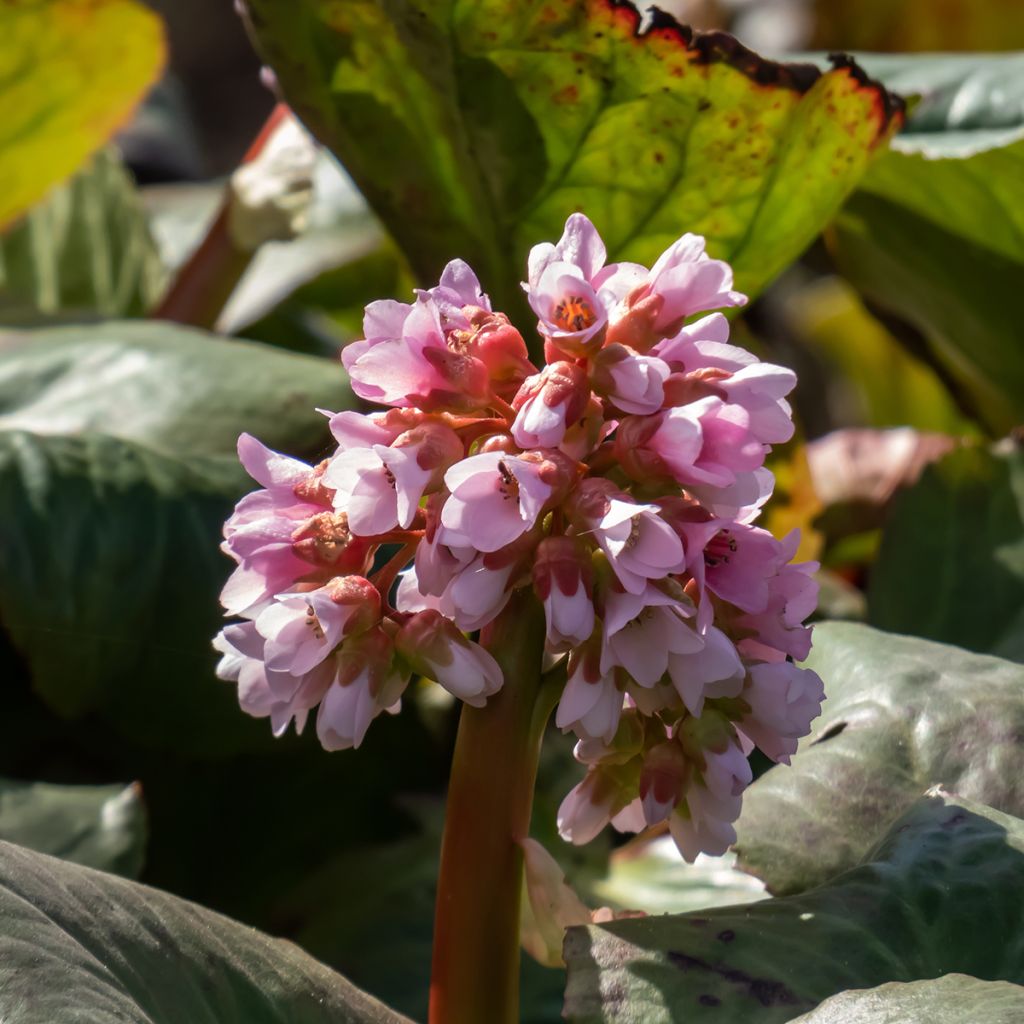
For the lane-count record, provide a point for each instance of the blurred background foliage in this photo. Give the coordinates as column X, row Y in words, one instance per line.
column 888, row 278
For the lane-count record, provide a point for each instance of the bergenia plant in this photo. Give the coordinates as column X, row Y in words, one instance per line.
column 593, row 518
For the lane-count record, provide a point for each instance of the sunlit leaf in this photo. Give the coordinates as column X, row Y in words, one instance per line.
column 475, row 128
column 71, row 72
column 935, row 234
column 951, row 999
column 85, row 250
column 942, row 893
column 901, row 714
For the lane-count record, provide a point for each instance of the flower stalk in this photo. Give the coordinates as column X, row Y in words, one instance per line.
column 475, row 972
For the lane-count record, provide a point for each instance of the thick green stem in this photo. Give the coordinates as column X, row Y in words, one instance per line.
column 475, row 976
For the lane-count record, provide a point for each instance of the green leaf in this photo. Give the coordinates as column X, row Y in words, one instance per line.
column 960, row 580
column 475, row 127
column 901, row 714
column 117, row 470
column 81, row 945
column 71, row 71
column 98, row 826
column 85, row 250
column 171, row 388
column 942, row 893
column 935, row 233
column 951, row 999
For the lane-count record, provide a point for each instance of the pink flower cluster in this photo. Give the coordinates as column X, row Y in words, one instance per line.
column 621, row 482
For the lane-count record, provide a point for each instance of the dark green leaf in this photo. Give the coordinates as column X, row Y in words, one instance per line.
column 951, row 565
column 474, row 129
column 98, row 826
column 81, row 945
column 170, row 388
column 117, row 469
column 85, row 250
column 935, row 233
column 951, row 999
column 942, row 893
column 901, row 714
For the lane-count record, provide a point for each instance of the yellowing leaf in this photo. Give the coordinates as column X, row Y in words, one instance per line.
column 71, row 71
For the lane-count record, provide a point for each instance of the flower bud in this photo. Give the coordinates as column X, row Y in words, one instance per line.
column 433, row 647
column 663, row 778
column 498, row 345
column 547, row 403
column 563, row 580
column 634, row 326
column 630, row 381
column 436, row 448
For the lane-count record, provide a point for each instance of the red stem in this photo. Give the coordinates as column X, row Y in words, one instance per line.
column 203, row 285
column 475, row 974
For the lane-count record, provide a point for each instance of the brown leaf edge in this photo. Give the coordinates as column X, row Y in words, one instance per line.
column 718, row 47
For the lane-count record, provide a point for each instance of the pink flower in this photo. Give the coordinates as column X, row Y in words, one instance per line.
column 479, row 590
column 264, row 532
column 369, row 680
column 688, row 281
column 563, row 580
column 663, row 780
column 591, row 703
column 410, row 364
column 783, row 700
column 631, row 382
column 547, row 403
column 641, row 631
column 778, row 630
column 713, row 671
column 640, row 546
column 570, row 289
column 592, row 804
column 263, row 693
column 301, row 629
column 495, row 498
column 703, row 823
column 381, row 487
column 432, row 646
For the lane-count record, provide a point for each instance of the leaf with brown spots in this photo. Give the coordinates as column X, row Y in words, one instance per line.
column 475, row 127
column 916, row 907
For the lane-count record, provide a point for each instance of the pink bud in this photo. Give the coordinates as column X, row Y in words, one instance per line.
column 433, row 647
column 563, row 578
column 630, row 381
column 547, row 403
column 635, row 326
column 662, row 781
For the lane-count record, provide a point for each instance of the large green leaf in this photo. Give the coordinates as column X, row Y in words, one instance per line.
column 98, row 826
column 901, row 714
column 960, row 579
column 474, row 127
column 81, row 945
column 171, row 388
column 951, row 999
column 70, row 73
column 942, row 893
column 117, row 469
column 85, row 250
column 935, row 233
